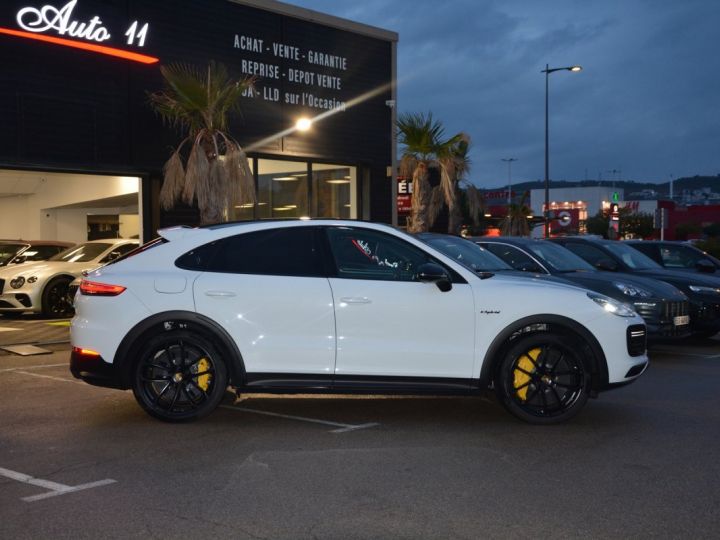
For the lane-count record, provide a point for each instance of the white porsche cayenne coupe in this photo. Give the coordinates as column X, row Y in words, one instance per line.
column 342, row 307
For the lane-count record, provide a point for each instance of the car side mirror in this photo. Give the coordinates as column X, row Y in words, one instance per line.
column 113, row 255
column 434, row 273
column 705, row 266
column 607, row 265
column 20, row 259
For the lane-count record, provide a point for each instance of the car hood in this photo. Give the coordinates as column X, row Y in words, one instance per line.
column 682, row 278
column 604, row 282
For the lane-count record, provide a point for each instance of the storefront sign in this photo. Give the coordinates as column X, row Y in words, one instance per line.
column 404, row 196
column 310, row 87
column 37, row 22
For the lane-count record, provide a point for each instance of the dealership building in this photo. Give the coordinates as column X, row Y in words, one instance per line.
column 81, row 150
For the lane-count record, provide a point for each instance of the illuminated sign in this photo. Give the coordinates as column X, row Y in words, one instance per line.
column 35, row 22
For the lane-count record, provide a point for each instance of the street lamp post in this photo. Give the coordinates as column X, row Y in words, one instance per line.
column 509, row 162
column 547, row 71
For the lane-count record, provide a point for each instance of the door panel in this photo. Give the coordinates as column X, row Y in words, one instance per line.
column 281, row 324
column 403, row 329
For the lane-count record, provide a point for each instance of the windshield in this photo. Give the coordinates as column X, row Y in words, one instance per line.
column 632, row 257
column 82, row 253
column 558, row 258
column 8, row 251
column 466, row 253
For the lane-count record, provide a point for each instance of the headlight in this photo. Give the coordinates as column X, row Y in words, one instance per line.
column 706, row 290
column 17, row 282
column 614, row 307
column 632, row 290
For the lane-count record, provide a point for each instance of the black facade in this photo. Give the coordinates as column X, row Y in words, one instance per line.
column 65, row 108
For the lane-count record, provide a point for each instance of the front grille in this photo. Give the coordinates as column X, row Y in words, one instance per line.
column 661, row 316
column 675, row 309
column 636, row 339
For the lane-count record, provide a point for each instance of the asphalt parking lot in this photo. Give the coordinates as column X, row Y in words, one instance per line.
column 83, row 462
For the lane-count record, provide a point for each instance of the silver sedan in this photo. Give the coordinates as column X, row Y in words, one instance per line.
column 43, row 287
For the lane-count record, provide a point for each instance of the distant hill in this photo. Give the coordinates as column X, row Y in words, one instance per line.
column 663, row 190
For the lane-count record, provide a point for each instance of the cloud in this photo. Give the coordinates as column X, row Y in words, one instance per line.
column 647, row 102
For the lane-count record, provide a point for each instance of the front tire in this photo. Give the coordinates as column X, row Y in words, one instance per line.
column 179, row 377
column 56, row 300
column 544, row 378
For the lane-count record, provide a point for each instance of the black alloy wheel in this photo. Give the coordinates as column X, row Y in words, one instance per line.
column 179, row 377
column 56, row 300
column 544, row 379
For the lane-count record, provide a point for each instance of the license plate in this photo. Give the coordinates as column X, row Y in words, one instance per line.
column 682, row 320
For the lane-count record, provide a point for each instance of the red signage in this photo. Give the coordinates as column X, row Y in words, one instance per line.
column 36, row 23
column 404, row 196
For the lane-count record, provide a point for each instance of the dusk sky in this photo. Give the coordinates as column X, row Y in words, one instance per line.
column 646, row 105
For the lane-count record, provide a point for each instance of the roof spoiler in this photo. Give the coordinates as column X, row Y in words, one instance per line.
column 177, row 232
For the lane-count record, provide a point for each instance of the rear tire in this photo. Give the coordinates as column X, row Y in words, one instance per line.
column 179, row 376
column 544, row 378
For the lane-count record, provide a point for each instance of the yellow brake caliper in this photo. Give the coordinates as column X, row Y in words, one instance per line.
column 520, row 378
column 203, row 381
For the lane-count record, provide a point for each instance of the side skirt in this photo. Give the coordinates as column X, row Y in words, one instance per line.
column 348, row 384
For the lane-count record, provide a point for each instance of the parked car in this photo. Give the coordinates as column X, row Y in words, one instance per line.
column 678, row 256
column 703, row 291
column 663, row 307
column 22, row 251
column 340, row 306
column 42, row 287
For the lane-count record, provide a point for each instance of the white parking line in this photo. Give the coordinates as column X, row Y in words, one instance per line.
column 50, row 377
column 343, row 428
column 33, row 367
column 54, row 488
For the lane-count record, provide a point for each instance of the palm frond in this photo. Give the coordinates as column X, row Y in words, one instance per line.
column 196, row 173
column 173, row 181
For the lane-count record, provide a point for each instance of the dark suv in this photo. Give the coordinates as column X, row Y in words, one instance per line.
column 703, row 290
column 664, row 308
column 678, row 256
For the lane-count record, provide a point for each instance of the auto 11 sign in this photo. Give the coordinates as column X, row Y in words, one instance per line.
column 302, row 68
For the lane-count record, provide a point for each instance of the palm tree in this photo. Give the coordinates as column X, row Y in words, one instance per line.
column 425, row 148
column 516, row 222
column 216, row 173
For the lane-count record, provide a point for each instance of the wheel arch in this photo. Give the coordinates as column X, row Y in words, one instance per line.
column 555, row 323
column 171, row 320
column 49, row 281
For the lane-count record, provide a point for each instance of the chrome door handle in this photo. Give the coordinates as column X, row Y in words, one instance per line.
column 355, row 300
column 220, row 294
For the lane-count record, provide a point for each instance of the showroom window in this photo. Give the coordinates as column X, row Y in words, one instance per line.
column 292, row 189
column 334, row 191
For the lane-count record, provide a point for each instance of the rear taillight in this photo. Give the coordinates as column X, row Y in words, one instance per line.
column 85, row 353
column 93, row 288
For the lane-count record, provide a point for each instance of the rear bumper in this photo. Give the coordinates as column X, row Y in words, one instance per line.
column 93, row 370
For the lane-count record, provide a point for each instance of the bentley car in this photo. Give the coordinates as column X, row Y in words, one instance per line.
column 42, row 287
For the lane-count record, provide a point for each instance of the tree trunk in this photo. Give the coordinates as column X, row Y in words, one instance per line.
column 454, row 217
column 418, row 221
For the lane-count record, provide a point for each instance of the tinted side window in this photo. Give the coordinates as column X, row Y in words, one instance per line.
column 278, row 252
column 679, row 257
column 367, row 254
column 590, row 253
column 514, row 257
column 649, row 250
